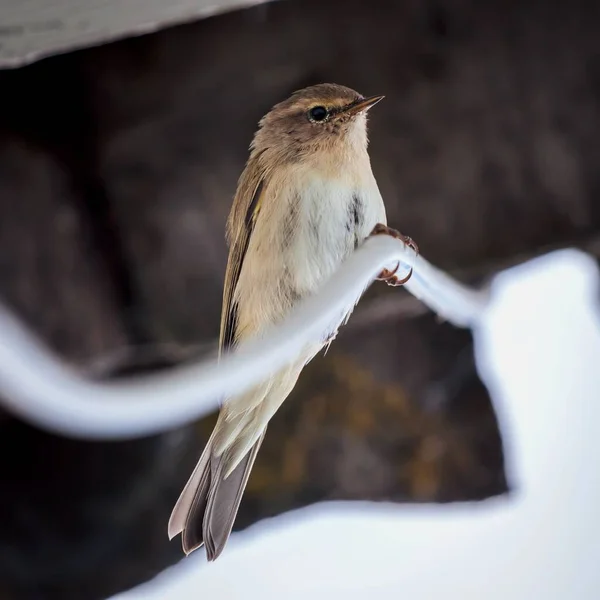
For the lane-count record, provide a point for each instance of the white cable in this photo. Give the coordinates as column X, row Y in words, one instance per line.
column 42, row 390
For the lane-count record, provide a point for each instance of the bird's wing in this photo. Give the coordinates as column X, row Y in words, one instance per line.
column 242, row 219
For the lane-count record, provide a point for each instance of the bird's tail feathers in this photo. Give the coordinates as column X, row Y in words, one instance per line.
column 208, row 504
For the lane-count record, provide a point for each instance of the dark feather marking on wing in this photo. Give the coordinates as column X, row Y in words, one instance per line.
column 250, row 215
column 229, row 334
column 232, row 314
column 355, row 218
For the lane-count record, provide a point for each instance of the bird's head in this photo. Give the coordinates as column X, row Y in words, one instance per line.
column 319, row 117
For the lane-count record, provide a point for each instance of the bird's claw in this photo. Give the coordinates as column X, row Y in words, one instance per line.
column 391, row 278
column 381, row 229
column 386, row 275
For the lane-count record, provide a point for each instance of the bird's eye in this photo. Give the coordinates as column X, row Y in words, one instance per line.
column 317, row 114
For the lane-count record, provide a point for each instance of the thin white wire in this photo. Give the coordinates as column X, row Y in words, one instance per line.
column 40, row 388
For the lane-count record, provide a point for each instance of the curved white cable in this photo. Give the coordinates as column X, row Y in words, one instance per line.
column 41, row 389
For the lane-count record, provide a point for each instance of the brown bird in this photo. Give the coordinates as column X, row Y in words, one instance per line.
column 306, row 199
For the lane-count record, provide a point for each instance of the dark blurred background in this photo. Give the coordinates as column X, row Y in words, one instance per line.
column 117, row 169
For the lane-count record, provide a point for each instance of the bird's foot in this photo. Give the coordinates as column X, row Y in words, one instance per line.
column 386, row 275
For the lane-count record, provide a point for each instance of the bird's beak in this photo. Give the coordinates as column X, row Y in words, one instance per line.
column 361, row 105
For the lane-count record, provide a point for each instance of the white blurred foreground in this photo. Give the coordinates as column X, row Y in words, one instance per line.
column 42, row 389
column 538, row 351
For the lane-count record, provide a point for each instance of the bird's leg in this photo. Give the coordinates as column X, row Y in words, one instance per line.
column 381, row 229
column 386, row 275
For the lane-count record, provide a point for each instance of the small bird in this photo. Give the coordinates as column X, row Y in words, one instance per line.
column 305, row 200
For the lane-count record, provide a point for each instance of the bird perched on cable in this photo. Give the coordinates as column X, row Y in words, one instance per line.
column 306, row 199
